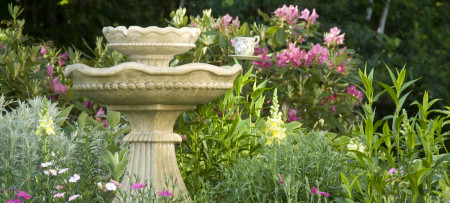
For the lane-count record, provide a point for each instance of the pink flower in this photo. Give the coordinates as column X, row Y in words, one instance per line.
column 282, row 58
column 57, row 87
column 59, row 195
column 292, row 115
column 53, row 172
column 87, row 104
column 288, row 14
column 391, row 171
column 282, row 181
column 63, row 56
column 105, row 123
column 232, row 42
column 313, row 190
column 310, row 19
column 333, row 109
column 14, row 201
column 43, row 51
column 165, row 194
column 351, row 90
column 388, row 179
column 59, row 187
column 281, row 175
column 71, row 198
column 319, row 52
column 333, row 37
column 74, row 178
column 116, row 182
column 23, row 194
column 46, row 164
column 138, row 185
column 100, row 185
column 100, row 112
column 324, row 194
column 236, row 22
column 263, row 62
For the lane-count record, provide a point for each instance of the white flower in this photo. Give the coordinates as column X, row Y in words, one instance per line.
column 111, row 186
column 63, row 170
column 73, row 197
column 352, row 146
column 53, row 154
column 74, row 178
column 46, row 164
column 46, row 172
column 100, row 185
column 53, row 172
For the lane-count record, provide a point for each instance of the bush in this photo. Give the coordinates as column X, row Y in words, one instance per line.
column 285, row 172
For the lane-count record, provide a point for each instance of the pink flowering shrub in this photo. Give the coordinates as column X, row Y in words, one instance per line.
column 312, row 75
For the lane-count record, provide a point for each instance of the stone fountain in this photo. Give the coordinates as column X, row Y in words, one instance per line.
column 152, row 95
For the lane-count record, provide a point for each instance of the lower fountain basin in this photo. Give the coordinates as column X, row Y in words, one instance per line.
column 139, row 84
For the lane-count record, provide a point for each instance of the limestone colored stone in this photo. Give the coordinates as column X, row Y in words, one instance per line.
column 152, row 45
column 152, row 97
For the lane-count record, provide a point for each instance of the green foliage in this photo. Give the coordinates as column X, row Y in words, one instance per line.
column 217, row 133
column 284, row 173
column 404, row 162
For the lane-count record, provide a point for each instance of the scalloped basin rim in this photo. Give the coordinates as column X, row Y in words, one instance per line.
column 178, row 70
column 162, row 30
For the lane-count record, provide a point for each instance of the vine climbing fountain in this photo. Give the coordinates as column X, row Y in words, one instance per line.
column 152, row 95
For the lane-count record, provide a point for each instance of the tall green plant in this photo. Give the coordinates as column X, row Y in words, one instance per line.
column 403, row 160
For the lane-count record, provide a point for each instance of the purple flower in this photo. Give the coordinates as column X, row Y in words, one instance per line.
column 263, row 62
column 333, row 109
column 50, row 71
column 351, row 90
column 313, row 190
column 165, row 194
column 319, row 52
column 310, row 19
column 138, row 185
column 324, row 194
column 236, row 22
column 388, row 179
column 391, row 171
column 57, row 87
column 43, row 50
column 288, row 14
column 100, row 112
column 292, row 115
column 87, row 104
column 282, row 181
column 23, row 194
column 62, row 58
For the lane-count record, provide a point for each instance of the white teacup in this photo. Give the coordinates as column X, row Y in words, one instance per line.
column 245, row 45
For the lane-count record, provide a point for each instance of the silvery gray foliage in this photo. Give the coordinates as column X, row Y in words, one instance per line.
column 20, row 145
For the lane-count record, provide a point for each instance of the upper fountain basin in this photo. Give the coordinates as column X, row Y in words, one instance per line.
column 151, row 40
column 136, row 84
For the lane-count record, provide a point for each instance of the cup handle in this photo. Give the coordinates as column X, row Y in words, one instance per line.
column 256, row 39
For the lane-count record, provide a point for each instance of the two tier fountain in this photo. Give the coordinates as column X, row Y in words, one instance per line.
column 152, row 95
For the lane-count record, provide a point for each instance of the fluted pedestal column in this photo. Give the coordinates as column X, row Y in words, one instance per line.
column 152, row 153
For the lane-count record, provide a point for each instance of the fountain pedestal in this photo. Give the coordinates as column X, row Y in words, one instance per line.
column 152, row 153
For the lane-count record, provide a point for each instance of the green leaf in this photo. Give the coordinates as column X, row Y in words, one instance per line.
column 280, row 35
column 113, row 118
column 244, row 30
column 64, row 113
column 264, row 15
column 390, row 91
column 442, row 159
column 272, row 30
column 82, row 120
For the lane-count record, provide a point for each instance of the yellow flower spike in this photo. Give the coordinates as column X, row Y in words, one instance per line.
column 268, row 142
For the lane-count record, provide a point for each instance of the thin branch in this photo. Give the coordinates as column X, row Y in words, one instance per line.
column 383, row 18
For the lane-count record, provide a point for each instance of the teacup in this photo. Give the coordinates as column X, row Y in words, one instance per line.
column 245, row 45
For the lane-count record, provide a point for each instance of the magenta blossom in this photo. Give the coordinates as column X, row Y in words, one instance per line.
column 115, row 182
column 62, row 59
column 23, row 194
column 333, row 37
column 313, row 190
column 310, row 19
column 351, row 90
column 263, row 62
column 317, row 52
column 232, row 42
column 281, row 179
column 100, row 112
column 292, row 115
column 87, row 104
column 50, row 70
column 57, row 87
column 138, row 185
column 43, row 51
column 287, row 14
column 165, row 194
column 236, row 22
column 391, row 171
column 333, row 109
column 292, row 55
column 324, row 194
